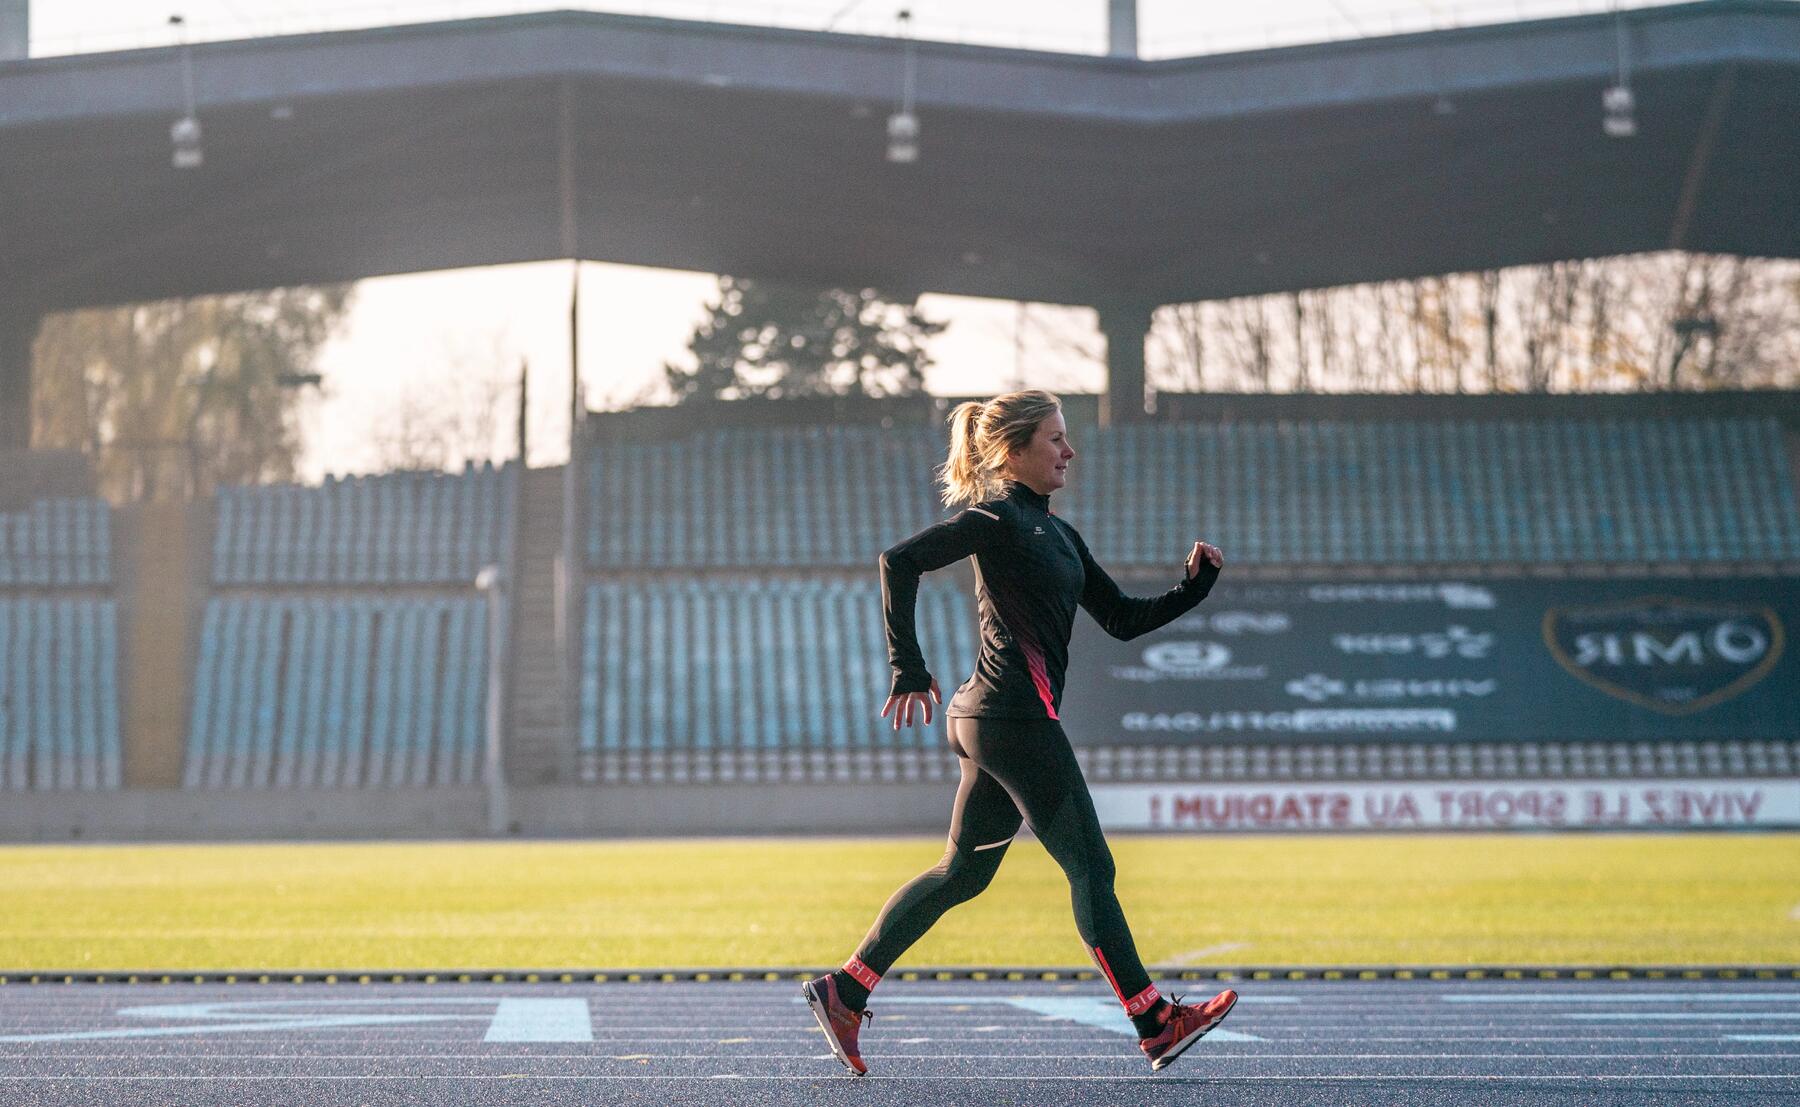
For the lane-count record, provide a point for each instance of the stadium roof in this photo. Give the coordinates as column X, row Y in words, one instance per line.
column 760, row 152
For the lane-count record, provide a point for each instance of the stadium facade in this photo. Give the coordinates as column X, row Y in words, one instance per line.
column 1488, row 611
column 1115, row 183
column 1558, row 600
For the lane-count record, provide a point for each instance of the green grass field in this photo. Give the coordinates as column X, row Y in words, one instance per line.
column 1462, row 899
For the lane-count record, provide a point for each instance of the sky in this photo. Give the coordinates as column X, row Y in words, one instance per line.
column 422, row 334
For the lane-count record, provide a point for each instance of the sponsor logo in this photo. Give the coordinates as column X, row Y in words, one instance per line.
column 1671, row 655
column 1236, row 622
column 1450, row 593
column 1037, row 530
column 1185, row 659
column 1258, row 593
column 1317, row 687
column 1458, row 641
column 1359, row 720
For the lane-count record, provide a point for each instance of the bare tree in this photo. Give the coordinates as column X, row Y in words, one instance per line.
column 460, row 413
column 1654, row 321
column 1487, row 284
column 1178, row 347
column 174, row 397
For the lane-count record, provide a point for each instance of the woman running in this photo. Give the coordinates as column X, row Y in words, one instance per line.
column 1031, row 570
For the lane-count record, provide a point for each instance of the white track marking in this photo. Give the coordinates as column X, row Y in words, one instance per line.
column 1115, row 1055
column 1682, row 1016
column 815, row 1079
column 509, row 1018
column 541, row 1020
column 1624, row 997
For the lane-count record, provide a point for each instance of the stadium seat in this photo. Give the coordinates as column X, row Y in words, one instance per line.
column 1292, row 492
column 742, row 664
column 59, row 712
column 338, row 690
column 394, row 528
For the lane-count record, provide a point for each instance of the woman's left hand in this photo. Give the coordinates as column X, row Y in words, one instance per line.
column 1207, row 551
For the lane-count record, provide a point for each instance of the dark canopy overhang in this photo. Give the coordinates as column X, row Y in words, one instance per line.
column 760, row 152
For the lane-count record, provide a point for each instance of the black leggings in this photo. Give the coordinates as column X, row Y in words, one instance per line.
column 1009, row 767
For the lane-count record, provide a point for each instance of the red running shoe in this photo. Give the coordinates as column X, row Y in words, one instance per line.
column 1184, row 1025
column 839, row 1023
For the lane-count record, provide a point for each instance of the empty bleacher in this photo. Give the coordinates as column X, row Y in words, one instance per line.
column 59, row 647
column 344, row 644
column 57, row 543
column 704, row 657
column 338, row 691
column 741, row 677
column 59, row 700
column 1312, row 493
column 727, row 625
column 735, row 496
column 392, row 528
column 1572, row 490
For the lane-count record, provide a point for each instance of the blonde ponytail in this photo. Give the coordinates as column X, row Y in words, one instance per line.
column 983, row 436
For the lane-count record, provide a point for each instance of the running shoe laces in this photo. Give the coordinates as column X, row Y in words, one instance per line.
column 1183, row 1024
column 840, row 1023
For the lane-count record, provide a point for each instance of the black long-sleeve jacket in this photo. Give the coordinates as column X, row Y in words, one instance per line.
column 1031, row 570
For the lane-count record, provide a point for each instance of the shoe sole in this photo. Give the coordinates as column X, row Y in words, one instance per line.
column 817, row 1003
column 1178, row 1048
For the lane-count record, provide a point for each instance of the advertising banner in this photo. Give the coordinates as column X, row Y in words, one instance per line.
column 1457, row 805
column 1449, row 659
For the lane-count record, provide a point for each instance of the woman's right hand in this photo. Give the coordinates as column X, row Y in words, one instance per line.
column 1202, row 553
column 904, row 704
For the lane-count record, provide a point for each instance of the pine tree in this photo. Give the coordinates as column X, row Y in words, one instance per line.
column 778, row 341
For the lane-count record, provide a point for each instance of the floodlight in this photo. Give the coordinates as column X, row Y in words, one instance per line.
column 184, row 133
column 903, row 137
column 903, row 125
column 1621, row 116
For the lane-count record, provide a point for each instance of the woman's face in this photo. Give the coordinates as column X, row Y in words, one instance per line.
column 1043, row 464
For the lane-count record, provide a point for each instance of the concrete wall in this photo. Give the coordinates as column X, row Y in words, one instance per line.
column 1215, row 407
column 162, row 559
column 1083, row 409
column 150, row 814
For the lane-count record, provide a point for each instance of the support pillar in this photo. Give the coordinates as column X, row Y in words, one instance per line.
column 1121, row 29
column 15, row 30
column 18, row 330
column 1126, row 327
column 162, row 572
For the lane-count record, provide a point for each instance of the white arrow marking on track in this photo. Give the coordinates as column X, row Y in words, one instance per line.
column 511, row 1019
